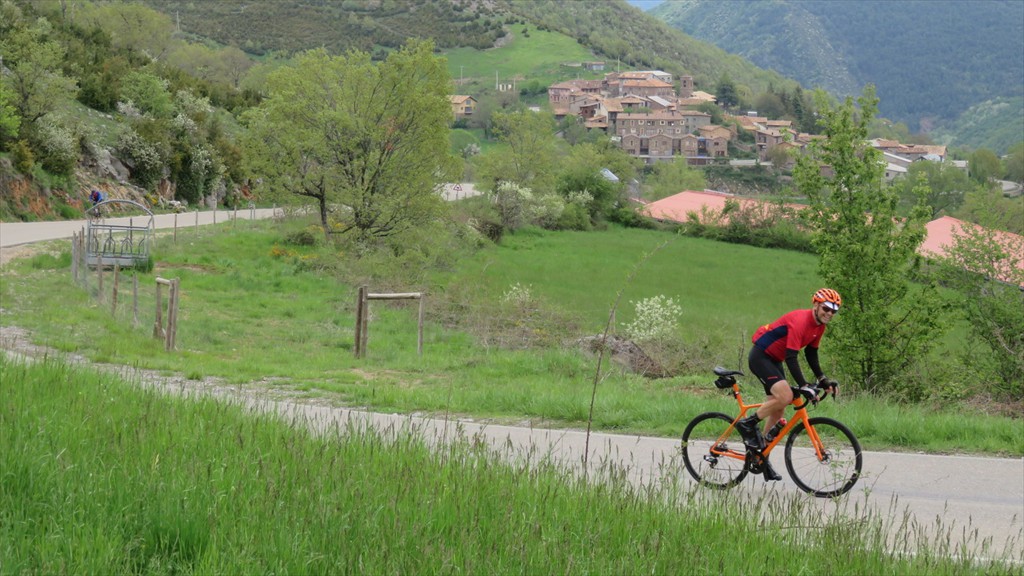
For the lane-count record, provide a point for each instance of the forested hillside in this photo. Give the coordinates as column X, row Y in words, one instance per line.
column 931, row 61
column 260, row 26
column 619, row 33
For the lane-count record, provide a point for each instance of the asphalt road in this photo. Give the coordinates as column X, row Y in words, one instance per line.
column 17, row 233
column 975, row 499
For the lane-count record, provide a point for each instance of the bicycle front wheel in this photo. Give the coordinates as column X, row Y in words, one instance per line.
column 713, row 457
column 830, row 469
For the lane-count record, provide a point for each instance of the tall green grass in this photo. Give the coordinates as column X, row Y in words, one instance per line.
column 101, row 476
column 259, row 312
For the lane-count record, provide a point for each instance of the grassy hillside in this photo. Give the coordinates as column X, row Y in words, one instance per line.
column 931, row 61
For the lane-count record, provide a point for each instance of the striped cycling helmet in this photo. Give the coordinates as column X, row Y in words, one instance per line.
column 828, row 295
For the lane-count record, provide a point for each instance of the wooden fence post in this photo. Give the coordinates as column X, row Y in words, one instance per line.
column 158, row 324
column 135, row 298
column 363, row 318
column 113, row 295
column 172, row 315
column 360, row 320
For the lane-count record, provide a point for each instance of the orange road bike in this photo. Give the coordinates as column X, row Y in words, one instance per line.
column 822, row 455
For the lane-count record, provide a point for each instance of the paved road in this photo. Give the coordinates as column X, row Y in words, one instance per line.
column 17, row 233
column 961, row 494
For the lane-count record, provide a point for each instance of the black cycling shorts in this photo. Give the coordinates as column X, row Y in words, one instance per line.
column 767, row 369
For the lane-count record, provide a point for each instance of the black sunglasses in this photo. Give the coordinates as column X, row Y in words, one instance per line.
column 832, row 310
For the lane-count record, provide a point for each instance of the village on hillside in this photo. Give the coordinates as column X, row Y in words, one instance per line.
column 644, row 114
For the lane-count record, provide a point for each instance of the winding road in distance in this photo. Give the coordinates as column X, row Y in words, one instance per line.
column 962, row 493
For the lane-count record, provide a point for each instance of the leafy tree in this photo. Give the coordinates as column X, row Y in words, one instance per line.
column 713, row 110
column 987, row 272
column 141, row 32
column 866, row 252
column 726, row 93
column 34, row 80
column 371, row 138
column 582, row 175
column 148, row 93
column 769, row 105
column 668, row 178
column 984, row 165
column 527, row 154
column 987, row 204
column 9, row 119
column 946, row 184
column 1014, row 163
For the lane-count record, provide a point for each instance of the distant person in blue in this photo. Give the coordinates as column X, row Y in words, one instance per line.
column 96, row 197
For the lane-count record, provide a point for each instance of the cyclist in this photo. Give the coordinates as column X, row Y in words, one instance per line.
column 780, row 342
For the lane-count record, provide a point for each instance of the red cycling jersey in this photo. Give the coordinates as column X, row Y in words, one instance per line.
column 792, row 331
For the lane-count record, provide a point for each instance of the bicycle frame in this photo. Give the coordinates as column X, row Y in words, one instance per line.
column 799, row 416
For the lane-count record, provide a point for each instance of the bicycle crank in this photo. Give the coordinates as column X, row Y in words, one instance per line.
column 755, row 461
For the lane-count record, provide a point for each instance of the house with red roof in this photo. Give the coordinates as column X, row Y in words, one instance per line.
column 942, row 234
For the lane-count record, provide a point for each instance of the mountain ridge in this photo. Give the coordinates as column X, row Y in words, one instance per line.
column 961, row 55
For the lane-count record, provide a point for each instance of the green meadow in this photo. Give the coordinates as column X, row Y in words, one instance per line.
column 539, row 56
column 259, row 311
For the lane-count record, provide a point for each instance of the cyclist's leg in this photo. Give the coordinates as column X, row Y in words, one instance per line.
column 769, row 373
column 775, row 406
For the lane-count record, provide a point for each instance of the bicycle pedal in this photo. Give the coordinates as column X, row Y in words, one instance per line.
column 755, row 461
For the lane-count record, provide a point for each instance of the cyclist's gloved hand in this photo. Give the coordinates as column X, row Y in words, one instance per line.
column 829, row 385
column 810, row 393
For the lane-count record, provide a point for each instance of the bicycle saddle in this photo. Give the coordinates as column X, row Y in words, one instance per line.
column 719, row 371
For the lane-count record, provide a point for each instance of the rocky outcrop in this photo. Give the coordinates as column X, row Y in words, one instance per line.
column 625, row 353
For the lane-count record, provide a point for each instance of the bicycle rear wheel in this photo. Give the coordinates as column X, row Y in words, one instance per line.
column 712, row 457
column 838, row 468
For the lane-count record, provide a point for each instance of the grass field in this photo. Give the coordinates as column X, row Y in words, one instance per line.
column 99, row 476
column 257, row 311
column 539, row 56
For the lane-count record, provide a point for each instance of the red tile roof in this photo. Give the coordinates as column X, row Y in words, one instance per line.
column 942, row 233
column 676, row 208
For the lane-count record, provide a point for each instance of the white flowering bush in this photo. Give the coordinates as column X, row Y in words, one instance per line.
column 191, row 105
column 656, row 317
column 546, row 210
column 512, row 201
column 183, row 123
column 58, row 146
column 579, row 197
column 141, row 157
column 518, row 295
column 128, row 109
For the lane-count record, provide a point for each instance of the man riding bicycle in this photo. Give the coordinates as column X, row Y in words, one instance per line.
column 780, row 342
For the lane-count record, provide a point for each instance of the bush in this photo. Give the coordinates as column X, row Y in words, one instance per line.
column 57, row 147
column 141, row 157
column 574, row 217
column 630, row 218
column 308, row 236
column 24, row 159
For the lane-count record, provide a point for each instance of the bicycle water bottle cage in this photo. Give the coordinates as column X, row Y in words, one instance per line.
column 725, row 377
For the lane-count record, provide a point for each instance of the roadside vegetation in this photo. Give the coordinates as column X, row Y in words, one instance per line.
column 262, row 309
column 101, row 476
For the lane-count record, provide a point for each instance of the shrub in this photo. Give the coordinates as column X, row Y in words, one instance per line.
column 308, row 236
column 141, row 157
column 656, row 317
column 574, row 217
column 24, row 159
column 58, row 148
